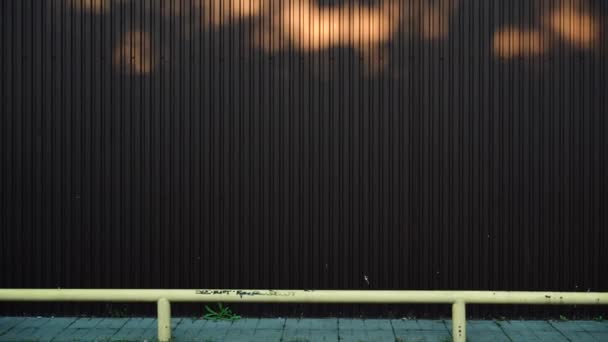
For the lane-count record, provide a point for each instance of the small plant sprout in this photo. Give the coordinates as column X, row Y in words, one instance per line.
column 222, row 313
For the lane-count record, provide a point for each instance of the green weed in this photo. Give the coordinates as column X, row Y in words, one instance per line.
column 222, row 313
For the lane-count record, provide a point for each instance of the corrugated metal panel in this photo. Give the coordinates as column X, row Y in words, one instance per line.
column 304, row 144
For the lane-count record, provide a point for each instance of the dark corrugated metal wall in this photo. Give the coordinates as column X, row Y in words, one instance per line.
column 194, row 156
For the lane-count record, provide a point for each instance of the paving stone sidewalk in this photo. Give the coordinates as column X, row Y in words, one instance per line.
column 29, row 329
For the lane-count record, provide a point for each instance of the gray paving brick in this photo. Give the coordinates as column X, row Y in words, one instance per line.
column 574, row 330
column 113, row 323
column 63, row 338
column 421, row 336
column 21, row 334
column 486, row 336
column 551, row 336
column 380, row 334
column 351, row 324
column 137, row 331
column 594, row 326
column 268, row 334
column 101, row 334
column 600, row 335
column 309, row 335
column 579, row 336
column 324, row 335
column 522, row 336
column 295, row 330
column 254, row 339
column 137, row 334
column 58, row 323
column 7, row 323
column 527, row 325
column 33, row 322
column 566, row 326
column 271, row 323
column 358, row 335
column 481, row 326
column 7, row 338
column 257, row 335
column 212, row 335
column 180, row 339
column 82, row 334
column 312, row 324
column 188, row 335
column 67, row 335
column 246, row 323
column 9, row 320
column 218, row 324
column 365, row 324
column 140, row 323
column 39, row 334
column 432, row 325
column 378, row 324
column 187, row 323
column 405, row 324
column 86, row 323
column 530, row 331
column 71, row 334
column 185, row 332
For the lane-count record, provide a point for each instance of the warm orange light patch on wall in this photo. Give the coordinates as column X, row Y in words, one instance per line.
column 224, row 11
column 563, row 20
column 134, row 53
column 368, row 29
column 92, row 6
column 214, row 13
column 576, row 27
column 513, row 42
column 310, row 27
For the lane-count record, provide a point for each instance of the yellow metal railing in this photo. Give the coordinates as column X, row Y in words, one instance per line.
column 163, row 298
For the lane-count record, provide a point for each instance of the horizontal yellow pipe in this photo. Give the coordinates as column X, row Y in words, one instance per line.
column 305, row 296
column 458, row 299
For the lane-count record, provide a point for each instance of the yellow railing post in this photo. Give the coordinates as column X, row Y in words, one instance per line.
column 459, row 321
column 164, row 320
